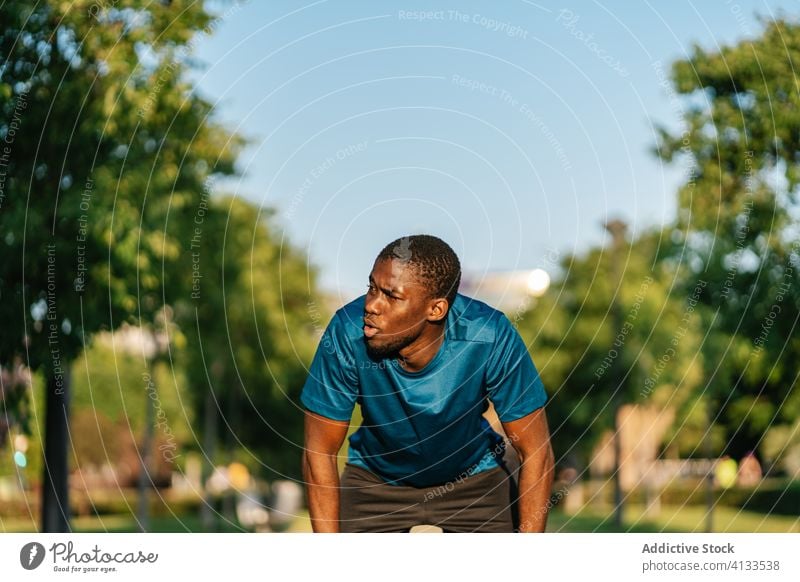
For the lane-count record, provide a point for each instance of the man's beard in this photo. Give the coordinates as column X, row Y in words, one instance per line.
column 390, row 349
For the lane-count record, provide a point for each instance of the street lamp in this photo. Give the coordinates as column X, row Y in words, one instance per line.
column 538, row 282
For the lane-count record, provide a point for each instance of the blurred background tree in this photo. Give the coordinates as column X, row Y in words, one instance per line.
column 585, row 359
column 109, row 151
column 738, row 217
column 696, row 317
column 250, row 337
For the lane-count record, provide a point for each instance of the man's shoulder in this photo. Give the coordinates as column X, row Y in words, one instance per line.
column 348, row 321
column 474, row 320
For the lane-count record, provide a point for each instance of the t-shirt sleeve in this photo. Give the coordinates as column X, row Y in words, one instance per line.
column 331, row 388
column 512, row 380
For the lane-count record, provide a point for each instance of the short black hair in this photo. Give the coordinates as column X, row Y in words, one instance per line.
column 436, row 265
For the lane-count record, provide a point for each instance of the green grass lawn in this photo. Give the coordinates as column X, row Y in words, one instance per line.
column 126, row 523
column 670, row 519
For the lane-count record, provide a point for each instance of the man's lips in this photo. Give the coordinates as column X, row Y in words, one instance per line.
column 370, row 330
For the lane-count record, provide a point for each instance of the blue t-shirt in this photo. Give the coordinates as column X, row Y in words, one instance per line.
column 426, row 428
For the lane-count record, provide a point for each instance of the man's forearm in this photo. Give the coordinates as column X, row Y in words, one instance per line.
column 535, row 485
column 321, row 475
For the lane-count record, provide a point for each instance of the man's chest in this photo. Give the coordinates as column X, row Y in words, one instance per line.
column 444, row 395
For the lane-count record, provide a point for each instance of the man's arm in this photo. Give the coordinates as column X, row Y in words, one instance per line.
column 531, row 438
column 323, row 439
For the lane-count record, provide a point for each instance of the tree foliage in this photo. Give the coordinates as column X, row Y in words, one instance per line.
column 106, row 148
column 250, row 333
column 738, row 222
column 586, row 358
column 108, row 160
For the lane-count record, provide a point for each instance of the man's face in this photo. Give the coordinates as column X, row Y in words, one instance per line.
column 396, row 308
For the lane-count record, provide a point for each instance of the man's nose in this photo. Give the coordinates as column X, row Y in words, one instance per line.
column 371, row 305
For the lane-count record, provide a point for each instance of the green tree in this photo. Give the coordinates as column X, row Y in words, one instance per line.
column 586, row 358
column 111, row 391
column 105, row 149
column 738, row 223
column 251, row 325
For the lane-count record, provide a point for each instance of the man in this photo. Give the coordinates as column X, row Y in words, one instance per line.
column 423, row 362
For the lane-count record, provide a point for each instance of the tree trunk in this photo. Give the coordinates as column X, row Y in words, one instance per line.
column 617, row 230
column 208, row 512
column 710, row 475
column 55, row 486
column 145, row 481
column 229, row 499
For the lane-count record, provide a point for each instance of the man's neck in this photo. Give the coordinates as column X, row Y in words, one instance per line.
column 417, row 355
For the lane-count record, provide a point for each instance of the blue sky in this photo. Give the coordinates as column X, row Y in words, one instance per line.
column 512, row 130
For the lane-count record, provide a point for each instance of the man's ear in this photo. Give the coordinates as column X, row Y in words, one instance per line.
column 437, row 310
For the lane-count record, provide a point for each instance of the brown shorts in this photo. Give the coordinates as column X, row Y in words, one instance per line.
column 485, row 502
